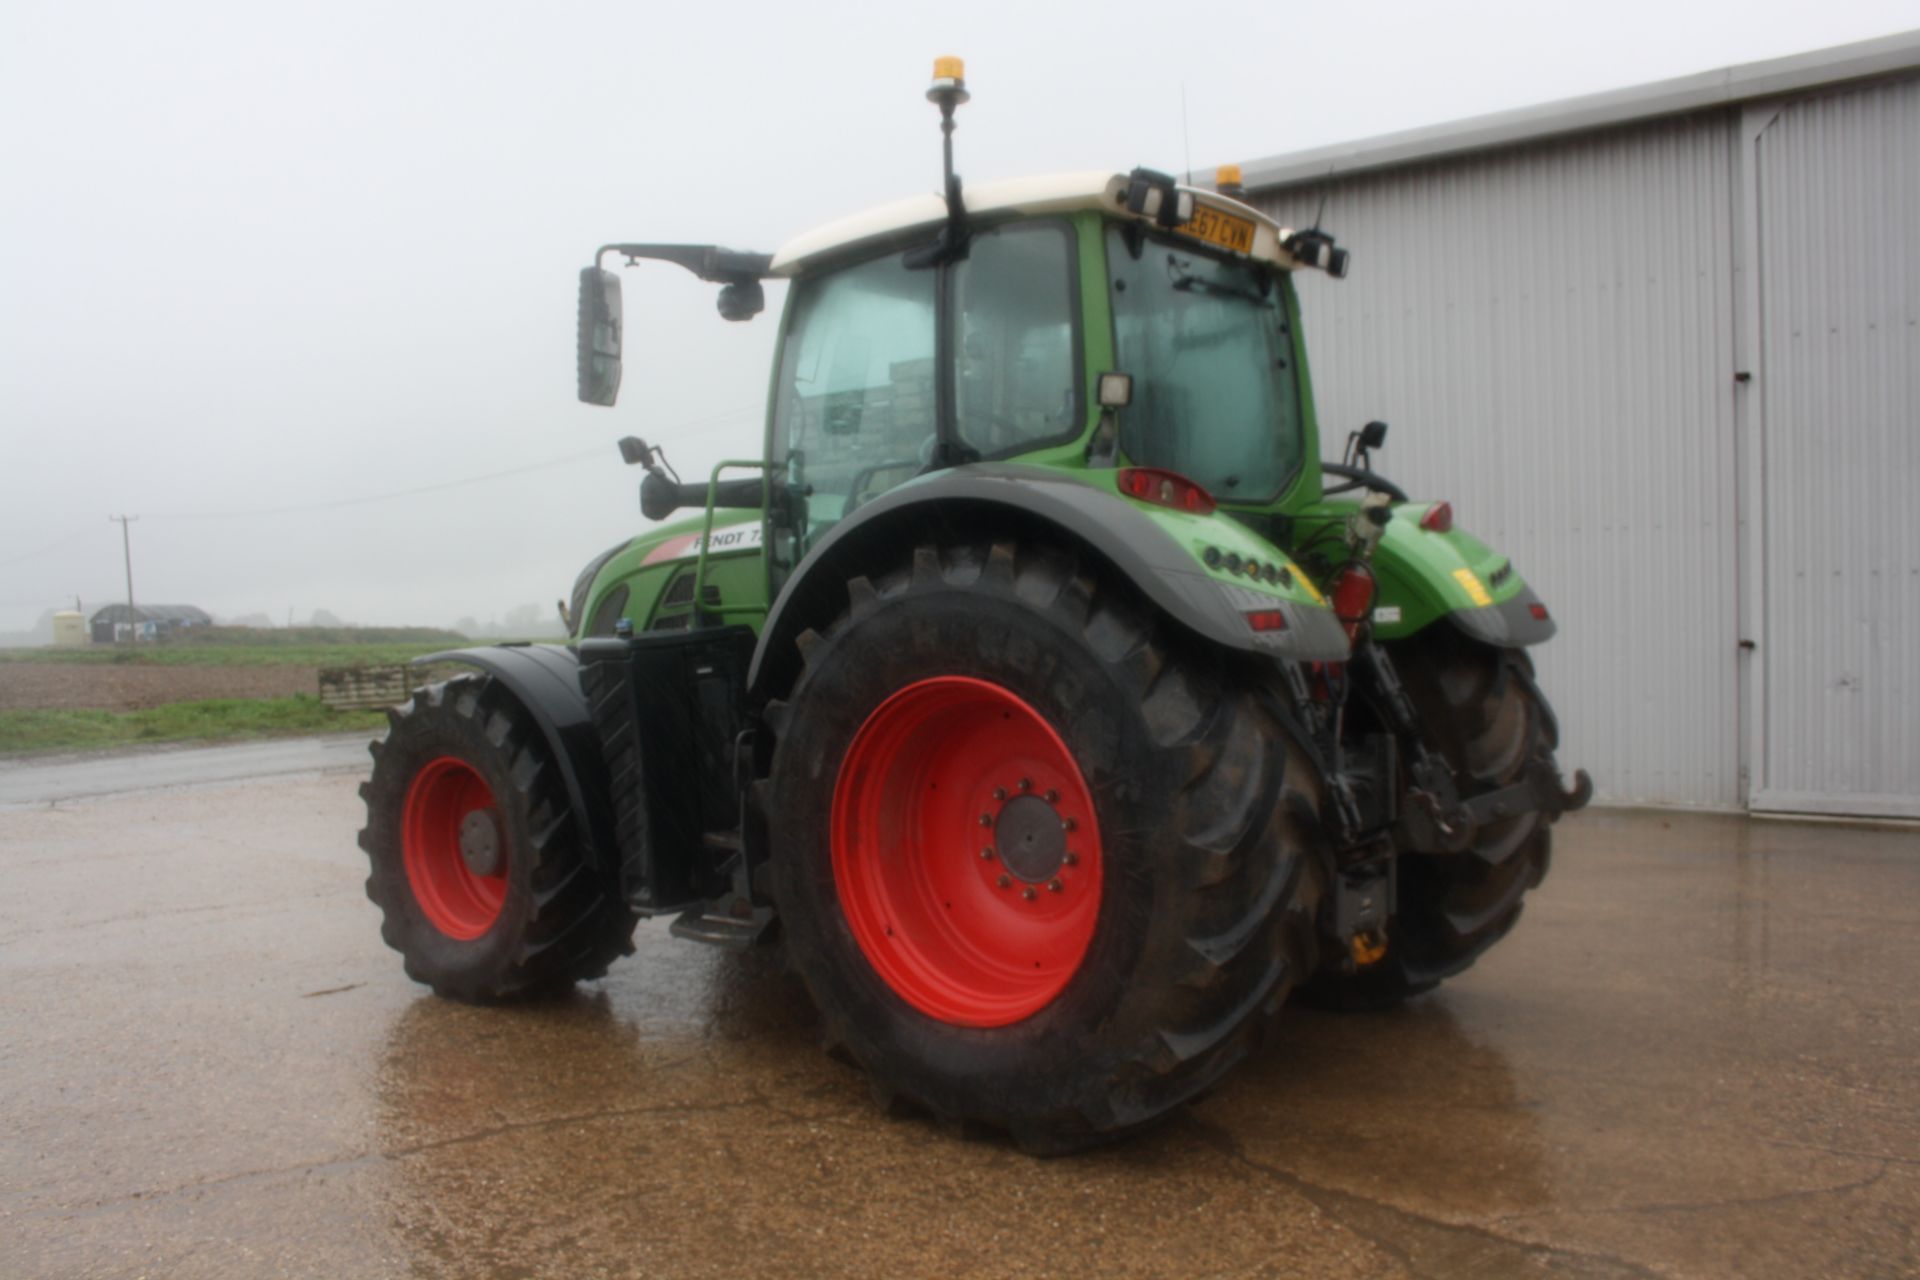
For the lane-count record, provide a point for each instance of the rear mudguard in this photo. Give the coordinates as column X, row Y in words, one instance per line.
column 545, row 679
column 1425, row 576
column 1159, row 552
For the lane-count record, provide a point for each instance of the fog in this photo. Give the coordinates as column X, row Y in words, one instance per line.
column 294, row 283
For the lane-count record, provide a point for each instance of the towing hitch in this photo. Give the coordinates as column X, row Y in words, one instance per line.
column 1433, row 827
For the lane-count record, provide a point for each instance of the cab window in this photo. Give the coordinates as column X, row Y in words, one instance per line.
column 855, row 411
column 1016, row 383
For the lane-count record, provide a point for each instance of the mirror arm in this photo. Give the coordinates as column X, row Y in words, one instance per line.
column 707, row 261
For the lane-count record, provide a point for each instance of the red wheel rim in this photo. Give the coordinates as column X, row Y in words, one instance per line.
column 965, row 852
column 445, row 796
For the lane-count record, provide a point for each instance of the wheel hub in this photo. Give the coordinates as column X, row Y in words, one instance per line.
column 965, row 853
column 1030, row 839
column 480, row 842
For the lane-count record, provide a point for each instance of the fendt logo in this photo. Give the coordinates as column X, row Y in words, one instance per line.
column 745, row 537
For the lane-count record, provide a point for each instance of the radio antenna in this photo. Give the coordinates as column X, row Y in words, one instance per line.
column 1326, row 185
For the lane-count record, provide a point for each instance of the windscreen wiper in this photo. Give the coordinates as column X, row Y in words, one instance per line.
column 1185, row 282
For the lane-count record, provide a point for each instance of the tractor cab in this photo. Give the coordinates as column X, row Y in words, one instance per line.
column 1082, row 322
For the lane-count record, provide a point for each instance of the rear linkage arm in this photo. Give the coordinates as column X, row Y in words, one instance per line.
column 1437, row 819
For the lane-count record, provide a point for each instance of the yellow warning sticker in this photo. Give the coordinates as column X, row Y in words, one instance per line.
column 1472, row 585
column 1306, row 582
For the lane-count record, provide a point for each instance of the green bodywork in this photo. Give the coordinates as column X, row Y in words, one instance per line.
column 1423, row 575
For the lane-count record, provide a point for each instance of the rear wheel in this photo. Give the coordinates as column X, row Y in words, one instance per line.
column 1479, row 706
column 1038, row 869
column 477, row 866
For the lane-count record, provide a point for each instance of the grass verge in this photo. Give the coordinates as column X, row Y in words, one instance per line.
column 212, row 719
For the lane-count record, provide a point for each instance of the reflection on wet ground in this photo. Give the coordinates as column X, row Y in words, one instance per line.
column 1693, row 1057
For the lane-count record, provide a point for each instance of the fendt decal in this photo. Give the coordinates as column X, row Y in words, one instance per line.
column 745, row 537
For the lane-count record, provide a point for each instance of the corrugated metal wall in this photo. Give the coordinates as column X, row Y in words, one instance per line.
column 1548, row 330
column 1839, row 253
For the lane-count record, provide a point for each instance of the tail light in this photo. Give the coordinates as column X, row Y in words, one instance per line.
column 1352, row 592
column 1267, row 620
column 1165, row 488
column 1439, row 518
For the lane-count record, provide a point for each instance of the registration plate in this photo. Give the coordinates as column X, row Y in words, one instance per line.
column 1223, row 229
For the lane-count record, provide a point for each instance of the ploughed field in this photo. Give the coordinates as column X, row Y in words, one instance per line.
column 232, row 683
column 47, row 686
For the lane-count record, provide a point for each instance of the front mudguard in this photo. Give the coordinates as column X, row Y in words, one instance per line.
column 1426, row 575
column 545, row 679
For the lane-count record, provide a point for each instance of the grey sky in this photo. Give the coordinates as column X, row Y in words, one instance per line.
column 261, row 256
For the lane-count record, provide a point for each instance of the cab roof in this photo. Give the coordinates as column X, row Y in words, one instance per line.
column 1052, row 193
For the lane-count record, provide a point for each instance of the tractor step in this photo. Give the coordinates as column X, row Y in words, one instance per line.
column 726, row 922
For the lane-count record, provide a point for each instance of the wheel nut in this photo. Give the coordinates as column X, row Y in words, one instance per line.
column 986, row 819
column 1073, row 859
column 1072, row 825
column 1004, row 880
column 1052, row 796
column 1028, row 893
column 1053, row 886
column 999, row 793
column 1026, row 784
column 986, row 855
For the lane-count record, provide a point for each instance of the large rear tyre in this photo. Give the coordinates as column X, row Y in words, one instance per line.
column 478, row 866
column 1041, row 869
column 1480, row 707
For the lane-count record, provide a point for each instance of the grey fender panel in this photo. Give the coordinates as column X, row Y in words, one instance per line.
column 1032, row 498
column 1509, row 625
column 546, row 680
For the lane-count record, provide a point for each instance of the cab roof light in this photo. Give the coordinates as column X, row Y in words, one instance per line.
column 1439, row 518
column 1166, row 489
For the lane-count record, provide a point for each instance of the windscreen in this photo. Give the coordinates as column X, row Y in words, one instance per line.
column 1207, row 342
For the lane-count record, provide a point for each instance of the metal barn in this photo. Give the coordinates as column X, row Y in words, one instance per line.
column 1663, row 345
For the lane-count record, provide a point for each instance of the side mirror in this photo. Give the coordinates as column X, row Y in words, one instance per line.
column 634, row 451
column 1373, row 435
column 598, row 355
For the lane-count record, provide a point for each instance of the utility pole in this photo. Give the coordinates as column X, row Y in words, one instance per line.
column 126, row 545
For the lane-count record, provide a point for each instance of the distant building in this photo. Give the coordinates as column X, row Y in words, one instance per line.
column 146, row 621
column 69, row 627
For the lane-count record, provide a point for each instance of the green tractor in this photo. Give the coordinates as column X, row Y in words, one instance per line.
column 1040, row 691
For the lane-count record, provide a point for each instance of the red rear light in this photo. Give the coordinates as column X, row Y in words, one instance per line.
column 1352, row 592
column 1267, row 620
column 1539, row 611
column 1439, row 518
column 1165, row 488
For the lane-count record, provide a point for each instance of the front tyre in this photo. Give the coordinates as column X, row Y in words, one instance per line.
column 1039, row 869
column 1480, row 707
column 478, row 864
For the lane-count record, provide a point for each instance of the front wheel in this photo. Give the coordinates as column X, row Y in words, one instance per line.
column 1039, row 868
column 476, row 860
column 1480, row 707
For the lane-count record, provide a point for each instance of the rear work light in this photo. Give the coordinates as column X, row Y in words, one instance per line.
column 1165, row 489
column 1439, row 518
column 1352, row 593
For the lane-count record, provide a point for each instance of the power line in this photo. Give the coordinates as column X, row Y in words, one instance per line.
column 51, row 546
column 333, row 504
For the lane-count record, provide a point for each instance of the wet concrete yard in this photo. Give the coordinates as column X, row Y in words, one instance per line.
column 1694, row 1057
